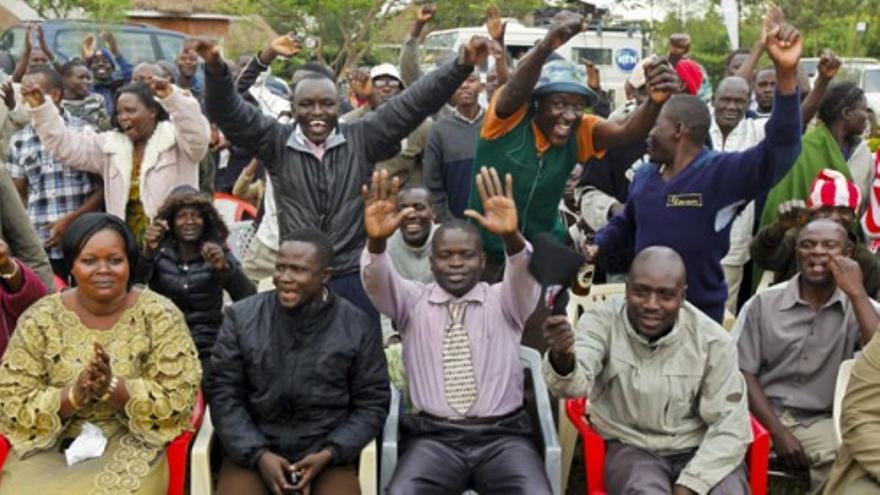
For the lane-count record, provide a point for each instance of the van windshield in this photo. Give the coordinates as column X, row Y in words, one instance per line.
column 13, row 40
column 438, row 47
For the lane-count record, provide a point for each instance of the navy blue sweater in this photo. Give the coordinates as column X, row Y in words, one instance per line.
column 692, row 212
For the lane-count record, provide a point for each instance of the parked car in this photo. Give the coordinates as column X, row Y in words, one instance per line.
column 138, row 42
column 871, row 86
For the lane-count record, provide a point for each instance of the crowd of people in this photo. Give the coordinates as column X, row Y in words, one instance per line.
column 402, row 228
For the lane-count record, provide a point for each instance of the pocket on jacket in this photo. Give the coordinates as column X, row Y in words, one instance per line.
column 683, row 382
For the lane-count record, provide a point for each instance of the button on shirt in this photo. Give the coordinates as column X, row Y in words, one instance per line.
column 794, row 350
column 678, row 393
column 494, row 320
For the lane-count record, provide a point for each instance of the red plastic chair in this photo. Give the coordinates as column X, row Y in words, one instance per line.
column 594, row 451
column 243, row 209
column 176, row 451
column 60, row 283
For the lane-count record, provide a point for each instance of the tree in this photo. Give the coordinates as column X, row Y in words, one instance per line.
column 99, row 10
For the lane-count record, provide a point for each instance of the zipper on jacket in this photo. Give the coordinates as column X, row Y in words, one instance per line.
column 525, row 213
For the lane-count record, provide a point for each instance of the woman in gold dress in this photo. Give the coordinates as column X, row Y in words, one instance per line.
column 107, row 353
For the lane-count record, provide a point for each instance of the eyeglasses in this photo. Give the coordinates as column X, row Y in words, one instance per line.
column 381, row 83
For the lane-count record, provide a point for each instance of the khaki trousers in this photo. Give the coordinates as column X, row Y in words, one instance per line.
column 259, row 260
column 817, row 440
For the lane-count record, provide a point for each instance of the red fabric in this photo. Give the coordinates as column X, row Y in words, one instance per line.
column 689, row 72
column 13, row 305
column 871, row 218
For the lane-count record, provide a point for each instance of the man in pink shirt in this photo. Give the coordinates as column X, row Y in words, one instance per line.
column 461, row 342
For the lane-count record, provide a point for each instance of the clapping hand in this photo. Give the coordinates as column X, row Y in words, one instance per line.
column 499, row 211
column 8, row 94
column 381, row 217
column 89, row 46
column 98, row 373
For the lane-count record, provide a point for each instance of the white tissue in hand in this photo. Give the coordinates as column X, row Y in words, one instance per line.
column 88, row 445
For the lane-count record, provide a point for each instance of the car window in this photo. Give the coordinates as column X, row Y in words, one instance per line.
column 135, row 46
column 13, row 40
column 599, row 56
column 170, row 46
column 872, row 81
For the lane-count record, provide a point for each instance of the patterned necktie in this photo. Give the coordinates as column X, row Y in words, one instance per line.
column 458, row 371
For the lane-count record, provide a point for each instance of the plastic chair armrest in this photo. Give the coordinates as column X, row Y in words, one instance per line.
column 593, row 445
column 759, row 458
column 388, row 462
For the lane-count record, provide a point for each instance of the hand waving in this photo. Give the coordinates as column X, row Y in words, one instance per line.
column 426, row 13
column 829, row 64
column 381, row 217
column 285, row 46
column 32, row 94
column 160, row 87
column 566, row 25
column 475, row 52
column 494, row 24
column 499, row 217
column 782, row 41
column 359, row 81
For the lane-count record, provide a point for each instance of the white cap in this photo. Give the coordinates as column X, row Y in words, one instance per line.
column 385, row 70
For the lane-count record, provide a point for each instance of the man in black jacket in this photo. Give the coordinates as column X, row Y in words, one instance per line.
column 318, row 165
column 299, row 383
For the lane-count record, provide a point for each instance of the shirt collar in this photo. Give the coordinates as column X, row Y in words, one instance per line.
column 460, row 116
column 669, row 339
column 792, row 295
column 476, row 295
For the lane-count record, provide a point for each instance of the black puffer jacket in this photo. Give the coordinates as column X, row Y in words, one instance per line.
column 326, row 194
column 195, row 288
column 296, row 382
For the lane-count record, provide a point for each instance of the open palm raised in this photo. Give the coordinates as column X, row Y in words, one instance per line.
column 381, row 217
column 499, row 211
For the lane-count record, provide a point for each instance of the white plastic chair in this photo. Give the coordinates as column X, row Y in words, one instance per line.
column 530, row 360
column 200, row 462
column 577, row 306
column 843, row 374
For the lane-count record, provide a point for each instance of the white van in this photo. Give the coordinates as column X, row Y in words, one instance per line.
column 615, row 50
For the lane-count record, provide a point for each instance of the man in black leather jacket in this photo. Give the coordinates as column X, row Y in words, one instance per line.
column 299, row 383
column 317, row 164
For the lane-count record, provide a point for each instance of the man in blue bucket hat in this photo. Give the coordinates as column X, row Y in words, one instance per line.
column 535, row 129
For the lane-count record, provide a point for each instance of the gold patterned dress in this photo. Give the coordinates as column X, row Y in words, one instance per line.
column 135, row 216
column 149, row 346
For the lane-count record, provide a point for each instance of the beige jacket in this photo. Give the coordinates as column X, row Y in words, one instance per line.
column 171, row 157
column 680, row 393
column 859, row 454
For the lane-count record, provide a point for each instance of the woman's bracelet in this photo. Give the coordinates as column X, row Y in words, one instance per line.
column 111, row 389
column 71, row 397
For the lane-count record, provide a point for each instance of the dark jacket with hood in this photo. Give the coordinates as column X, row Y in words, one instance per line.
column 196, row 288
column 297, row 381
column 325, row 193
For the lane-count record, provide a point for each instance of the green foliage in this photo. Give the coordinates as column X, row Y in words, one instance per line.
column 98, row 10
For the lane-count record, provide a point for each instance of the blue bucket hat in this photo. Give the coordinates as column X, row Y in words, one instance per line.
column 562, row 76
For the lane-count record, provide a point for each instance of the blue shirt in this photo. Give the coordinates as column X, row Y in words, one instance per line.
column 692, row 211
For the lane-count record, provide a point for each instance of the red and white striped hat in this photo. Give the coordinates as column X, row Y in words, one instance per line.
column 832, row 188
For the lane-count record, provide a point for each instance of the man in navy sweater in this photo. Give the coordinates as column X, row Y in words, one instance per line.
column 687, row 197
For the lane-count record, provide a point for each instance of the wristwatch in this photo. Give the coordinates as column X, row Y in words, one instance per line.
column 14, row 272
